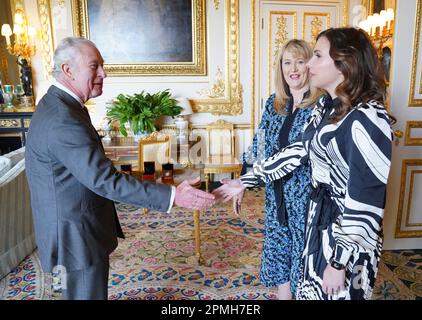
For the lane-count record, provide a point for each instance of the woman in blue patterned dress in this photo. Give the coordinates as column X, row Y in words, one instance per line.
column 285, row 115
column 348, row 145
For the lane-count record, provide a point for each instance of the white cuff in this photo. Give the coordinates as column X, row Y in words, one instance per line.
column 173, row 194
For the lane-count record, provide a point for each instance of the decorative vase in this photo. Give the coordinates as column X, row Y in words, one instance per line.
column 136, row 136
column 8, row 96
column 140, row 135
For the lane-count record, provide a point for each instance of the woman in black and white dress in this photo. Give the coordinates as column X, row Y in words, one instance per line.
column 348, row 145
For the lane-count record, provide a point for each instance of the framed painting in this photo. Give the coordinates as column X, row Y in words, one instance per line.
column 145, row 37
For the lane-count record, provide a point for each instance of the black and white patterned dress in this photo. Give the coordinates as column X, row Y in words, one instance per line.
column 350, row 163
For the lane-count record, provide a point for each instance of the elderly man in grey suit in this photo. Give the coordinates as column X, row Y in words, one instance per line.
column 72, row 183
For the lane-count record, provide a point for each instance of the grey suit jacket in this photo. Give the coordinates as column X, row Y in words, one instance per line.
column 72, row 186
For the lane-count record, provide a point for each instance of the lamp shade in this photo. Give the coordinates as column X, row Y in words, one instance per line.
column 185, row 104
column 6, row 30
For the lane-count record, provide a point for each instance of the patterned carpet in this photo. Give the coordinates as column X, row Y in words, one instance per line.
column 156, row 260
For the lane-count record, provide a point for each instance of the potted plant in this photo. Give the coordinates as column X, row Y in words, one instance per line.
column 141, row 110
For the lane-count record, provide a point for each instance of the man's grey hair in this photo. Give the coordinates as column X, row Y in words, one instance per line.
column 68, row 51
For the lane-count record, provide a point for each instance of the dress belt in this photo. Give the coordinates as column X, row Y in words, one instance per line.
column 326, row 212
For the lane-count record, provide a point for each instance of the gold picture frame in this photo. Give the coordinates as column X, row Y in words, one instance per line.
column 170, row 64
column 230, row 102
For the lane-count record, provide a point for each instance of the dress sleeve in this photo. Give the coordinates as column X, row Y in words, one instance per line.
column 287, row 159
column 276, row 166
column 366, row 148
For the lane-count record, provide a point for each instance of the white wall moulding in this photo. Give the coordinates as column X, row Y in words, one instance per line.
column 410, row 137
column 408, row 223
column 415, row 93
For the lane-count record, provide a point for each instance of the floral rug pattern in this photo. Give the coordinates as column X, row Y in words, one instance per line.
column 157, row 261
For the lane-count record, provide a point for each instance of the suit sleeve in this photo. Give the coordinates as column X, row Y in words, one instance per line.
column 75, row 145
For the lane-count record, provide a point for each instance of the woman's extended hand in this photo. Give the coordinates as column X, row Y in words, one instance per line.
column 333, row 280
column 231, row 189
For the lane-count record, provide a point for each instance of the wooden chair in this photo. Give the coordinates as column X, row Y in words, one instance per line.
column 221, row 151
column 155, row 138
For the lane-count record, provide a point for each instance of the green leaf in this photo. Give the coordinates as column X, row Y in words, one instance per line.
column 142, row 109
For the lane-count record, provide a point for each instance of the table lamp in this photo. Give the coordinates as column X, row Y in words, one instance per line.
column 182, row 124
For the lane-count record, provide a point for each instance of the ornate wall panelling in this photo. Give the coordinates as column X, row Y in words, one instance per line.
column 281, row 25
column 313, row 24
column 45, row 16
column 224, row 97
column 409, row 222
column 415, row 93
column 276, row 21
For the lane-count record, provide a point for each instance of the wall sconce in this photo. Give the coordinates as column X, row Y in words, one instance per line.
column 24, row 42
column 380, row 27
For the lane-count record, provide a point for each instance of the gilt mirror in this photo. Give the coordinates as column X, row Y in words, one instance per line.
column 9, row 71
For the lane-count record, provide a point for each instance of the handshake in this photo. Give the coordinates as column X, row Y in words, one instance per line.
column 191, row 198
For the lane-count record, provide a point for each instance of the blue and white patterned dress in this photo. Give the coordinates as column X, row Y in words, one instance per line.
column 283, row 244
column 350, row 163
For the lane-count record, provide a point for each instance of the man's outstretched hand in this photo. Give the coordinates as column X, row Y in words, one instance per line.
column 192, row 198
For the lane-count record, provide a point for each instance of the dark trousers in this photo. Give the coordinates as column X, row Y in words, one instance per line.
column 88, row 284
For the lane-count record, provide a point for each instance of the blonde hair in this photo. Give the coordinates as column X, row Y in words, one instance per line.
column 298, row 48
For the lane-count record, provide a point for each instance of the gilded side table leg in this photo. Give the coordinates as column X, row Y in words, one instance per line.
column 207, row 180
column 237, row 175
column 197, row 236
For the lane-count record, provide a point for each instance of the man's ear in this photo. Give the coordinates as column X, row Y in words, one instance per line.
column 67, row 71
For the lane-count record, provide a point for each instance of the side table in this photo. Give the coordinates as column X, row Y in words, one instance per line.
column 181, row 175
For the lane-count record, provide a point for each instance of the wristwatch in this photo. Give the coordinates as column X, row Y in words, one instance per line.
column 337, row 265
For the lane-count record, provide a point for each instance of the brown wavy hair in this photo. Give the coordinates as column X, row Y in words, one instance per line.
column 356, row 58
column 299, row 49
